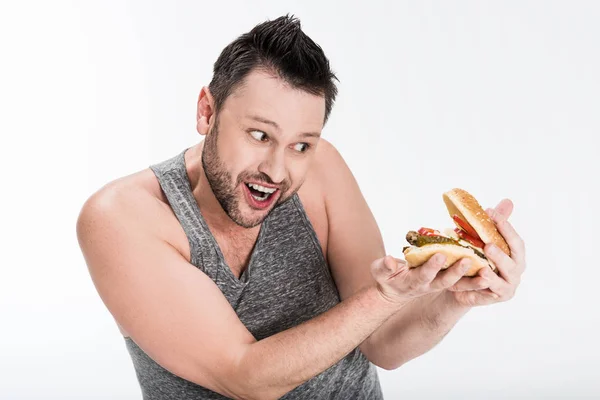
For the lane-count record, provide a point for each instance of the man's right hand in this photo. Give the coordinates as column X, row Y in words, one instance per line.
column 399, row 284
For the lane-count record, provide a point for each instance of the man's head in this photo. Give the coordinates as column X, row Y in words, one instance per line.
column 271, row 93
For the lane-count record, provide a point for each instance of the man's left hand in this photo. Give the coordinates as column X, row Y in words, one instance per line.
column 487, row 287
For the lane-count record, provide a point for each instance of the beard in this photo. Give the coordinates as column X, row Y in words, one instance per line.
column 224, row 187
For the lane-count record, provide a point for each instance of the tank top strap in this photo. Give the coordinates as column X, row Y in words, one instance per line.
column 174, row 182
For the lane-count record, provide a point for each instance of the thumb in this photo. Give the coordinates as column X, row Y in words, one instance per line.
column 502, row 211
column 384, row 268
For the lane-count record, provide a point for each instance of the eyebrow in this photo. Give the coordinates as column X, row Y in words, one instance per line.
column 276, row 126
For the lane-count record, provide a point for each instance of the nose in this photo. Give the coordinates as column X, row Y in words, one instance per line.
column 274, row 166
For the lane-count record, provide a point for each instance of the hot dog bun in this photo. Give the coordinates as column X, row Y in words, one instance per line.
column 462, row 204
column 416, row 256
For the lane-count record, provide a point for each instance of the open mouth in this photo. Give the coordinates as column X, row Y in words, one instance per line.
column 260, row 193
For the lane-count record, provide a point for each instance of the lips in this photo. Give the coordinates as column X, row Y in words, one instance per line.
column 257, row 204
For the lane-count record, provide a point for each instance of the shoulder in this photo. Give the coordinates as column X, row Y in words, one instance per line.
column 133, row 202
column 315, row 194
column 330, row 172
column 124, row 198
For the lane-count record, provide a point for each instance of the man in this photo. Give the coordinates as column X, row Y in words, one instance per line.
column 249, row 266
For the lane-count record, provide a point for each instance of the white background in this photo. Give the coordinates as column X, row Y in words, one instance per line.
column 500, row 98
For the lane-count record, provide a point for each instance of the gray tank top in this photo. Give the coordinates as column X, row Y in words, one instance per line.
column 286, row 283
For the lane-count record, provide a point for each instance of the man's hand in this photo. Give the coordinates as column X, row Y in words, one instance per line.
column 400, row 284
column 487, row 287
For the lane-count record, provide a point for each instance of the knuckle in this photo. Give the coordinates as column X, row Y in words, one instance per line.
column 470, row 296
column 505, row 295
column 424, row 275
column 449, row 280
column 518, row 241
column 481, row 282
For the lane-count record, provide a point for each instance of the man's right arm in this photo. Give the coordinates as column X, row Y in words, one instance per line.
column 180, row 318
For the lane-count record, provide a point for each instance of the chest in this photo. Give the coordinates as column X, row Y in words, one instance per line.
column 288, row 279
column 237, row 251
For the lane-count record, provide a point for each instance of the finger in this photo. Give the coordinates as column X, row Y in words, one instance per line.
column 507, row 267
column 427, row 272
column 497, row 284
column 400, row 261
column 390, row 263
column 479, row 297
column 384, row 268
column 467, row 283
column 514, row 241
column 452, row 274
column 503, row 210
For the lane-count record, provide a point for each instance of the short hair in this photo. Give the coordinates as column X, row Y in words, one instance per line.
column 279, row 47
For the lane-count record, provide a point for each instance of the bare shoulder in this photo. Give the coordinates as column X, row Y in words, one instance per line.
column 353, row 237
column 136, row 201
column 133, row 203
column 170, row 308
column 329, row 168
column 327, row 164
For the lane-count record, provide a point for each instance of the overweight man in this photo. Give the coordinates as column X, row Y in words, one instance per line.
column 249, row 266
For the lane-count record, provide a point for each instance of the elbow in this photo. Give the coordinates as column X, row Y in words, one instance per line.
column 388, row 365
column 249, row 389
column 379, row 359
column 251, row 382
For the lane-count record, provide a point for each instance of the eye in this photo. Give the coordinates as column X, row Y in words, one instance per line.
column 304, row 149
column 258, row 135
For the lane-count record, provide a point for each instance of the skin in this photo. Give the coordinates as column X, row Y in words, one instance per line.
column 135, row 248
column 424, row 322
column 255, row 148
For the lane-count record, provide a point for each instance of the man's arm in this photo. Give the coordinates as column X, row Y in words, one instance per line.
column 179, row 317
column 414, row 330
column 354, row 241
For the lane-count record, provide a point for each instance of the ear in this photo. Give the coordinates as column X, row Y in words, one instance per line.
column 205, row 111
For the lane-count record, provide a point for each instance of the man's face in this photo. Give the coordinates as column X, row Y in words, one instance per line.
column 265, row 134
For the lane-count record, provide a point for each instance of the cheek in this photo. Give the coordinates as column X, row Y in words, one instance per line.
column 299, row 172
column 238, row 157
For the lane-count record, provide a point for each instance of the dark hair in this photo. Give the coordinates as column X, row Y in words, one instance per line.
column 279, row 47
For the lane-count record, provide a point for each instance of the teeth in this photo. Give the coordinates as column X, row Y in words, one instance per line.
column 261, row 198
column 261, row 188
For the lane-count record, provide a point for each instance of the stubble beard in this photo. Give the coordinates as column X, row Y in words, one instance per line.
column 224, row 189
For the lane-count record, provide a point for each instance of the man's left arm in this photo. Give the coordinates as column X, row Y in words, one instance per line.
column 355, row 241
column 422, row 324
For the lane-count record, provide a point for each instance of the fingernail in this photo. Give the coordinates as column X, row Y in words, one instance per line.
column 466, row 266
column 492, row 248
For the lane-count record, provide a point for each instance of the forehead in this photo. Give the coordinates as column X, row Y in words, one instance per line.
column 272, row 98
